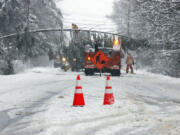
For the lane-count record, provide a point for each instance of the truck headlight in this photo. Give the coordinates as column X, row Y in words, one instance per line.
column 74, row 59
column 63, row 59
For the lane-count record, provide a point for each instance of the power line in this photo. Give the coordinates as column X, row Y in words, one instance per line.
column 59, row 29
column 170, row 51
column 102, row 23
column 85, row 18
column 96, row 26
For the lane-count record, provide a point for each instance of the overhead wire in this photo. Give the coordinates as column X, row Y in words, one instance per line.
column 93, row 23
column 96, row 26
column 170, row 51
column 86, row 19
column 96, row 23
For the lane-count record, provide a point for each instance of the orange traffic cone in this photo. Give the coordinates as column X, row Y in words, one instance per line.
column 78, row 95
column 108, row 96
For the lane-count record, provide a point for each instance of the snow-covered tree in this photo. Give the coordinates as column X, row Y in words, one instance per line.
column 156, row 21
column 23, row 16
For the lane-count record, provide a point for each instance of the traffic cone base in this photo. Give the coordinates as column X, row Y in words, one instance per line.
column 78, row 99
column 108, row 99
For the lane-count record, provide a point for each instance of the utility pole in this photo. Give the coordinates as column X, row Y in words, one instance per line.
column 28, row 5
column 27, row 30
column 128, row 19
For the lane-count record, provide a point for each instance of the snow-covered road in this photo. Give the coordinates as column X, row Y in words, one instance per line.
column 39, row 102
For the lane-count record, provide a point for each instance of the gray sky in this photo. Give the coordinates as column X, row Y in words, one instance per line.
column 87, row 14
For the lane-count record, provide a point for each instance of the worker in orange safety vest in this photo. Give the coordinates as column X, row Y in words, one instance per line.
column 129, row 62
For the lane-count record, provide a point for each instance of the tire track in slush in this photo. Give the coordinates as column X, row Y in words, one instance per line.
column 33, row 107
column 158, row 123
column 82, row 127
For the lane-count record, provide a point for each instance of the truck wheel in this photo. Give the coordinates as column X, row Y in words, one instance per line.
column 86, row 72
column 89, row 72
column 115, row 73
column 118, row 73
column 92, row 72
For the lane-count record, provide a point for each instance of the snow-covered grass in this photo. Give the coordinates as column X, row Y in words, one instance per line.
column 39, row 102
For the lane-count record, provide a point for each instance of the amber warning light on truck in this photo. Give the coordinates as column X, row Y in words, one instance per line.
column 89, row 58
column 116, row 42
